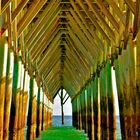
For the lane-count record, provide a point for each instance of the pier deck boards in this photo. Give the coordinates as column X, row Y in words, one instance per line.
column 62, row 133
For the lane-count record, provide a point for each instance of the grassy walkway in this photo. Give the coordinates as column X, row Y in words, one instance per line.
column 62, row 133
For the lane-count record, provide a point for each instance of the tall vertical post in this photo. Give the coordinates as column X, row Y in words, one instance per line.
column 92, row 111
column 104, row 104
column 62, row 109
column 38, row 113
column 3, row 66
column 125, row 79
column 96, row 108
column 31, row 122
column 8, row 93
column 137, row 54
column 89, row 111
column 111, row 103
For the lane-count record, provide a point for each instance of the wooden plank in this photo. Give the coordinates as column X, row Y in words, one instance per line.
column 117, row 10
column 93, row 33
column 107, row 13
column 95, row 23
column 5, row 6
column 43, row 18
column 44, row 26
column 18, row 9
column 44, row 40
column 30, row 14
column 87, row 33
column 131, row 5
column 100, row 18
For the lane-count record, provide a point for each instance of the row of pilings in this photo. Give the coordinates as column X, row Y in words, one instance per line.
column 94, row 106
column 25, row 109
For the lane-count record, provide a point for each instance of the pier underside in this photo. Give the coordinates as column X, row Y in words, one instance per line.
column 48, row 45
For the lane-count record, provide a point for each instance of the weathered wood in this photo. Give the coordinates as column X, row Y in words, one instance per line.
column 125, row 73
column 89, row 111
column 92, row 111
column 104, row 105
column 3, row 67
column 38, row 114
column 111, row 103
column 62, row 107
column 14, row 116
column 137, row 57
column 96, row 108
column 31, row 122
column 8, row 93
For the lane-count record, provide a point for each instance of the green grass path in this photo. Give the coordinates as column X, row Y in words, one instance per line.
column 62, row 133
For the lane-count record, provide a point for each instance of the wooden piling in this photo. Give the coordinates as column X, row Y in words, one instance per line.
column 125, row 79
column 92, row 111
column 3, row 66
column 14, row 116
column 104, row 104
column 74, row 111
column 111, row 103
column 138, row 85
column 89, row 111
column 31, row 121
column 96, row 109
column 25, row 104
column 8, row 94
column 82, row 110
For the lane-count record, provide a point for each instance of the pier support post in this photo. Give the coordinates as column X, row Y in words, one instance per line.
column 74, row 111
column 62, row 110
column 25, row 103
column 14, row 116
column 89, row 111
column 38, row 114
column 96, row 108
column 92, row 111
column 8, row 93
column 111, row 103
column 125, row 79
column 137, row 53
column 3, row 66
column 104, row 104
column 31, row 122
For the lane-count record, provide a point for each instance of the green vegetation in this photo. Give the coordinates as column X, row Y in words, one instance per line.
column 62, row 133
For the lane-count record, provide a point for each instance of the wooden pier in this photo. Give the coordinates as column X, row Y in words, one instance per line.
column 50, row 45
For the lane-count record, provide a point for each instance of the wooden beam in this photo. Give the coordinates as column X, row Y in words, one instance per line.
column 89, row 46
column 100, row 18
column 66, row 100
column 136, row 19
column 18, row 9
column 45, row 25
column 43, row 40
column 79, row 43
column 43, row 44
column 131, row 5
column 39, row 24
column 44, row 58
column 77, row 52
column 93, row 33
column 117, row 10
column 87, row 33
column 76, row 60
column 4, row 7
column 107, row 13
column 30, row 14
column 105, row 36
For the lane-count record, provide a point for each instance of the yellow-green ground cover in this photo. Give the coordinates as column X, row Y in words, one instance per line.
column 62, row 133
